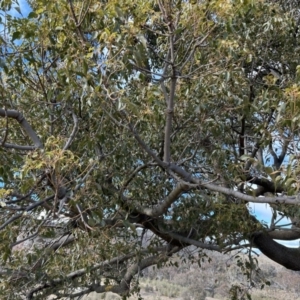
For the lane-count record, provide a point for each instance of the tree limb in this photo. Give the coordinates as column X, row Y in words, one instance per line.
column 25, row 125
column 73, row 133
column 285, row 235
column 73, row 275
column 17, row 147
column 192, row 181
column 163, row 207
column 287, row 257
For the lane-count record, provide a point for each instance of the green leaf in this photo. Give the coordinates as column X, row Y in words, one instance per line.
column 17, row 8
column 289, row 182
column 32, row 15
column 16, row 35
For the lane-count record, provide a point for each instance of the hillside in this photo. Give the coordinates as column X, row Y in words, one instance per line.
column 215, row 279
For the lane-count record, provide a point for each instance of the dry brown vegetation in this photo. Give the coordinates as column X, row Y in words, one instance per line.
column 215, row 278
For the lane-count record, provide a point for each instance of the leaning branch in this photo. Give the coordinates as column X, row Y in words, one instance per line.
column 73, row 275
column 192, row 181
column 287, row 257
column 123, row 287
column 285, row 235
column 25, row 125
column 271, row 200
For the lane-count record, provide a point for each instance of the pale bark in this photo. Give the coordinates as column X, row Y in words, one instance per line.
column 25, row 125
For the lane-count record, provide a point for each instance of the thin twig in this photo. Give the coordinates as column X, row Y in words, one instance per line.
column 76, row 22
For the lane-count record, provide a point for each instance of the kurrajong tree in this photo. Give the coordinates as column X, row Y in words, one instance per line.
column 131, row 130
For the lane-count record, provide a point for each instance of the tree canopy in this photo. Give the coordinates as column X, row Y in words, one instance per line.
column 131, row 130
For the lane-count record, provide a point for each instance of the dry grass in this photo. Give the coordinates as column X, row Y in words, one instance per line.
column 214, row 279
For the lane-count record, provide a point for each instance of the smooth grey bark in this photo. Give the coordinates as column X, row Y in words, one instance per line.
column 7, row 113
column 287, row 257
column 285, row 235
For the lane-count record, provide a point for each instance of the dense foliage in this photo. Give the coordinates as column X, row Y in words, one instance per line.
column 131, row 130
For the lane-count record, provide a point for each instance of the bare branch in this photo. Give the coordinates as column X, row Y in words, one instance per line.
column 148, row 72
column 293, row 200
column 171, row 98
column 62, row 241
column 83, row 218
column 30, row 236
column 55, row 244
column 272, row 152
column 123, row 287
column 82, row 15
column 81, row 181
column 10, row 220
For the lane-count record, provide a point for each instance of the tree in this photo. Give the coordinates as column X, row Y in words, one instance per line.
column 131, row 130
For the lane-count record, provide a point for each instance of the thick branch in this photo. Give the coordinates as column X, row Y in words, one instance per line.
column 18, row 147
column 274, row 155
column 25, row 125
column 283, row 152
column 287, row 257
column 285, row 235
column 272, row 200
column 269, row 186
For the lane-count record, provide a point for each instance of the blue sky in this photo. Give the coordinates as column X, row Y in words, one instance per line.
column 25, row 9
